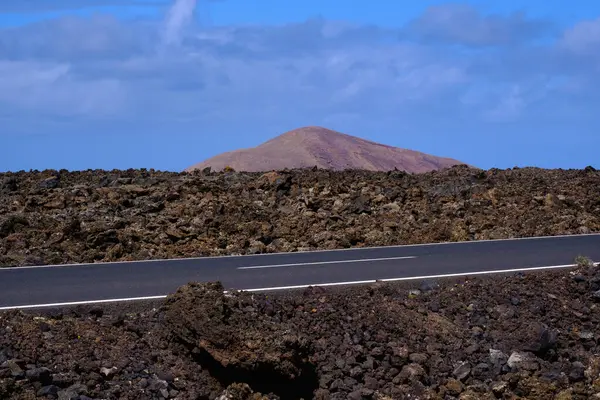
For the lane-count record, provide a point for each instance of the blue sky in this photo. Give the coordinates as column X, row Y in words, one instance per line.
column 165, row 84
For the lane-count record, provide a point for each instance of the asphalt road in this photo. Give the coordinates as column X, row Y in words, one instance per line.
column 56, row 285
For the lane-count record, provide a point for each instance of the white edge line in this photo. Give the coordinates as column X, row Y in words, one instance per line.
column 412, row 278
column 302, row 252
column 299, row 286
column 327, row 262
column 76, row 303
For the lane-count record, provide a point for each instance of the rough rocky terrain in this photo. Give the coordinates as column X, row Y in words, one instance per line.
column 518, row 336
column 316, row 146
column 52, row 217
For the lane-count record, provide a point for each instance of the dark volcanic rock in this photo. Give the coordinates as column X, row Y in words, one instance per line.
column 85, row 216
column 526, row 335
column 216, row 328
column 372, row 341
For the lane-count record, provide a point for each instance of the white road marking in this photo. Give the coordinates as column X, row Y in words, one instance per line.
column 408, row 278
column 76, row 303
column 301, row 286
column 302, row 252
column 327, row 262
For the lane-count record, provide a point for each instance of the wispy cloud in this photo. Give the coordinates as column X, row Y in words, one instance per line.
column 179, row 16
column 583, row 38
column 37, row 6
column 341, row 67
column 463, row 24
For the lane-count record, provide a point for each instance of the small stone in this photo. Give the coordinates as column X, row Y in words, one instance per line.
column 585, row 335
column 42, row 375
column 411, row 373
column 472, row 393
column 366, row 392
column 515, row 359
column 335, row 385
column 472, row 349
column 164, row 393
column 157, row 384
column 479, row 369
column 356, row 372
column 566, row 394
column 499, row 388
column 522, row 361
column 497, row 357
column 369, row 364
column 377, row 352
column 540, row 337
column 15, row 370
column 165, row 376
column 463, row 371
column 325, row 380
column 50, row 390
column 400, row 351
column 577, row 372
column 454, row 387
column 371, row 383
column 65, row 379
column 418, row 358
column 95, row 377
column 50, row 183
column 428, row 286
column 68, row 395
column 350, row 382
column 108, row 372
column 78, row 388
column 356, row 395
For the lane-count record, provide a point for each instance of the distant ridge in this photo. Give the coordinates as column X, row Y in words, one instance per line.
column 316, row 146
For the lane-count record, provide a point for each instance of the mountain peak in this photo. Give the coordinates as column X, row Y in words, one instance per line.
column 307, row 132
column 311, row 146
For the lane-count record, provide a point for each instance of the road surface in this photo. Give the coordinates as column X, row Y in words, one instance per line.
column 26, row 287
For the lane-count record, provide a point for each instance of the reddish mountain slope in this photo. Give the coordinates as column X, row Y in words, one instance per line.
column 324, row 148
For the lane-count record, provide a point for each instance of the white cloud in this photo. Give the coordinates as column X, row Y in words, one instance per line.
column 52, row 89
column 463, row 24
column 179, row 16
column 37, row 6
column 101, row 67
column 583, row 38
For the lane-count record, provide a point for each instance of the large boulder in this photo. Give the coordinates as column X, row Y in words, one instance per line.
column 239, row 339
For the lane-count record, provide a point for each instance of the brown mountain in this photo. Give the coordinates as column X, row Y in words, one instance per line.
column 315, row 146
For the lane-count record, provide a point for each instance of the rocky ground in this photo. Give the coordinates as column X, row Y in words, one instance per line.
column 529, row 336
column 54, row 217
